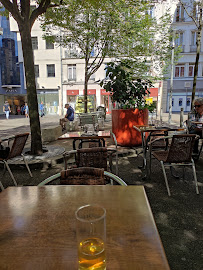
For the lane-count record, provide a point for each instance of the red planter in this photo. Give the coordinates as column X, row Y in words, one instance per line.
column 123, row 121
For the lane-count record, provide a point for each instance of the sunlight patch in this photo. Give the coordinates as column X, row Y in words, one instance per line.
column 162, row 218
column 190, row 235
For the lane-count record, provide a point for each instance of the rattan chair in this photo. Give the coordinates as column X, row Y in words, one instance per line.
column 84, row 176
column 179, row 153
column 16, row 150
column 155, row 142
column 112, row 150
column 199, row 139
column 96, row 157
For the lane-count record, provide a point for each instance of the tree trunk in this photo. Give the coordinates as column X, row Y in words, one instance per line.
column 86, row 84
column 198, row 42
column 36, row 141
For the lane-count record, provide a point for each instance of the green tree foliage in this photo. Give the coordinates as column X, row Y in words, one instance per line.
column 25, row 15
column 116, row 29
column 127, row 90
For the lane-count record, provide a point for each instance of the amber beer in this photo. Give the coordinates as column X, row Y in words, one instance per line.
column 91, row 237
column 91, row 253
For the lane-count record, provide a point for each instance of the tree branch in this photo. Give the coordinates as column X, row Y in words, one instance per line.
column 189, row 15
column 13, row 9
column 44, row 4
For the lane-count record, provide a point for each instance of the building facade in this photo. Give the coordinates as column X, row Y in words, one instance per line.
column 11, row 72
column 186, row 33
column 60, row 75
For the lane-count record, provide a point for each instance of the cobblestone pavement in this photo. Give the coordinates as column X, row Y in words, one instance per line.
column 179, row 218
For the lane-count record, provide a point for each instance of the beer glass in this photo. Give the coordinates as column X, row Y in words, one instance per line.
column 91, row 237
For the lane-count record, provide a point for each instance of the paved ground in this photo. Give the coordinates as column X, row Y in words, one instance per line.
column 179, row 218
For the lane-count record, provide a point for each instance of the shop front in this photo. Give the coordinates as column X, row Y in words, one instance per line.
column 50, row 99
column 13, row 94
column 72, row 97
column 106, row 100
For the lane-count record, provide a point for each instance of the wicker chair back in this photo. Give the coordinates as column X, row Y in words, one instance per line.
column 83, row 176
column 181, row 148
column 92, row 157
column 18, row 145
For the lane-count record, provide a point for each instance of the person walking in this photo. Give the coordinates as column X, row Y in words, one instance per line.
column 41, row 109
column 6, row 109
column 18, row 110
column 26, row 111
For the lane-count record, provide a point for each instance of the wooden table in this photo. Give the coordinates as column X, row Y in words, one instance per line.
column 81, row 136
column 37, row 228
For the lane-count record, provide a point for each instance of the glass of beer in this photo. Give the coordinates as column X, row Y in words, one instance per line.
column 91, row 237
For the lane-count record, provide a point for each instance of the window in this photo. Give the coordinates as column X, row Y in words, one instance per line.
column 179, row 14
column 191, row 70
column 72, row 72
column 179, row 71
column 106, row 76
column 50, row 70
column 36, row 71
column 92, row 54
column 180, row 102
column 150, row 12
column 179, row 39
column 193, row 46
column 188, row 102
column 92, row 77
column 193, row 38
column 49, row 45
column 197, row 10
column 34, row 43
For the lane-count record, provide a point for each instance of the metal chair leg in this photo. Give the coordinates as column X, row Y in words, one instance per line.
column 150, row 161
column 165, row 177
column 195, row 176
column 14, row 181
column 110, row 162
column 26, row 164
column 116, row 162
column 1, row 185
column 4, row 171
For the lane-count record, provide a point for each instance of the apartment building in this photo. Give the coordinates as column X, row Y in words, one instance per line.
column 184, row 68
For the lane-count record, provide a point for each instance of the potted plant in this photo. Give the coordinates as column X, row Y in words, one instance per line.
column 128, row 93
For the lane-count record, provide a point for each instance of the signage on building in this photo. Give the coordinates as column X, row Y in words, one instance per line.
column 72, row 92
column 104, row 93
column 11, row 91
column 90, row 91
column 187, row 84
column 153, row 92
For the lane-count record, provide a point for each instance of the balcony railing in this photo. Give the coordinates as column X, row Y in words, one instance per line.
column 178, row 19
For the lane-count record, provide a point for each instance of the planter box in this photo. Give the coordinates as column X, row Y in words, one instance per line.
column 51, row 134
column 123, row 121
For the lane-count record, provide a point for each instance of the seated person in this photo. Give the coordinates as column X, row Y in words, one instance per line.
column 197, row 117
column 68, row 117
